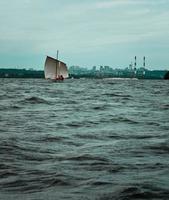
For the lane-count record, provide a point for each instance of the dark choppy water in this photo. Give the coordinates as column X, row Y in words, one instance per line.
column 84, row 139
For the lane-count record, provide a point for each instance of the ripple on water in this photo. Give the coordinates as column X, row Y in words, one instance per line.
column 84, row 139
column 34, row 100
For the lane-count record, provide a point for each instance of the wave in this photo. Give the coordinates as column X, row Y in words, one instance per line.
column 124, row 119
column 118, row 95
column 161, row 148
column 100, row 140
column 34, row 100
column 140, row 192
column 86, row 157
column 165, row 107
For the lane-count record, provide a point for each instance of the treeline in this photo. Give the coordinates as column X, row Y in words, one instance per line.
column 21, row 73
column 148, row 74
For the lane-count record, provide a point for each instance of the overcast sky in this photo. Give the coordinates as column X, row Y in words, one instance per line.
column 87, row 33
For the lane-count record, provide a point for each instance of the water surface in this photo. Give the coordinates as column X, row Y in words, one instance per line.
column 84, row 139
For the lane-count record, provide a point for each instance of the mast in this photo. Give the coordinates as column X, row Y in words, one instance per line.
column 57, row 55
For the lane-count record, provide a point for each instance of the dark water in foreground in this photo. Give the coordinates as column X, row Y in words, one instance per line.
column 84, row 139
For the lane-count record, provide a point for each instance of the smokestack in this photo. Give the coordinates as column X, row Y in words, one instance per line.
column 144, row 61
column 135, row 63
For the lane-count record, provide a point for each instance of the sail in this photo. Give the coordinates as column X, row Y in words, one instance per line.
column 54, row 68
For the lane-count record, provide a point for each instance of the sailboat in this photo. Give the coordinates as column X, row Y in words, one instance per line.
column 55, row 69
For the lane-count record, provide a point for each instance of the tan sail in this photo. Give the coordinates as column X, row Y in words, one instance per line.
column 55, row 68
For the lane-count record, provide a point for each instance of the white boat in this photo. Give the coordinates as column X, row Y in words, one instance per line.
column 55, row 69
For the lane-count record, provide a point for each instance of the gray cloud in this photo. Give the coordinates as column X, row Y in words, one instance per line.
column 41, row 26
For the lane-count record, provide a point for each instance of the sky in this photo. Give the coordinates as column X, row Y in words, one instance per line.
column 87, row 33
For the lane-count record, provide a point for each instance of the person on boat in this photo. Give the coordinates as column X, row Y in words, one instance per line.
column 61, row 78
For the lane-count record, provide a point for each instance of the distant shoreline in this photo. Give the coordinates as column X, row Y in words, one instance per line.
column 118, row 73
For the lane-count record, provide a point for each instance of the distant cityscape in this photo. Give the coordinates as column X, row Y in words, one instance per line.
column 108, row 72
column 129, row 72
